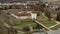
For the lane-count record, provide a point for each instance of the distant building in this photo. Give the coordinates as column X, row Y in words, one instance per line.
column 50, row 0
column 32, row 2
column 21, row 2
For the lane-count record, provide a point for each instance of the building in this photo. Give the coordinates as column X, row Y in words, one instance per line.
column 33, row 14
column 23, row 14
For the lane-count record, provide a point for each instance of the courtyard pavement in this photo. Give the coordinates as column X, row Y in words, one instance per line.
column 54, row 32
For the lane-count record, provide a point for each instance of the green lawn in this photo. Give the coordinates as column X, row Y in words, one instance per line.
column 26, row 23
column 56, row 27
column 48, row 23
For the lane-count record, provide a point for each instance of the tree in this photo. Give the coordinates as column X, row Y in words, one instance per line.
column 26, row 29
column 48, row 14
column 12, row 31
column 38, row 26
column 58, row 15
column 10, row 7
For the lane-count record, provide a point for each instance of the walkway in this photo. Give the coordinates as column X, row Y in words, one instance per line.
column 43, row 25
column 57, row 22
column 48, row 28
column 53, row 25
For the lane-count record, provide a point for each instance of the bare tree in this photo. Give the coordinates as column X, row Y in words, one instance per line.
column 58, row 15
column 48, row 13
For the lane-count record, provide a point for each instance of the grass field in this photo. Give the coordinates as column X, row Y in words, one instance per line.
column 26, row 23
column 48, row 23
column 56, row 27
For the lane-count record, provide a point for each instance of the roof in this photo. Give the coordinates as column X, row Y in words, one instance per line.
column 18, row 12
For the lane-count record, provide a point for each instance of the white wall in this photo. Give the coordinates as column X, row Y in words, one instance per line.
column 24, row 17
column 33, row 15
